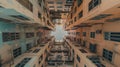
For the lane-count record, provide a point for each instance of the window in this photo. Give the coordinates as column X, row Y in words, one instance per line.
column 75, row 10
column 42, row 65
column 106, row 36
column 44, row 19
column 107, row 54
column 51, row 6
column 48, row 23
column 6, row 36
column 79, row 41
column 77, row 33
column 112, row 36
column 68, row 1
column 71, row 15
column 115, row 36
column 34, row 65
column 84, row 34
column 44, row 9
column 28, row 46
column 80, row 14
column 79, row 2
column 39, row 34
column 17, row 36
column 78, row 58
column 93, row 4
column 40, row 1
column 51, row 2
column 59, row 6
column 92, row 34
column 76, row 65
column 23, row 62
column 40, row 59
column 85, row 65
column 29, row 35
column 17, row 52
column 59, row 2
column 74, row 19
column 84, row 43
column 92, row 48
column 47, row 15
column 44, row 1
column 0, row 64
column 10, row 36
column 39, row 15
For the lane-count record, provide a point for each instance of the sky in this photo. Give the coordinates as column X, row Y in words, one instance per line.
column 59, row 32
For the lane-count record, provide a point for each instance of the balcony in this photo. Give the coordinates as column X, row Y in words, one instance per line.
column 58, row 56
column 21, row 12
column 91, row 59
column 99, row 12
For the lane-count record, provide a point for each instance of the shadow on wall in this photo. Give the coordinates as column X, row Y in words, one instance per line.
column 59, row 33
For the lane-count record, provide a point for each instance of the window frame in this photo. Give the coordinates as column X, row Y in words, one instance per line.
column 79, row 2
column 108, row 55
column 92, row 4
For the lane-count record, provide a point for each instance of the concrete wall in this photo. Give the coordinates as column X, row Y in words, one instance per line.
column 5, row 47
column 100, row 41
column 106, row 7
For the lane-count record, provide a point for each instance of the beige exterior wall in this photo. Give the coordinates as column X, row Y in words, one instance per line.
column 15, row 5
column 106, row 7
column 99, row 40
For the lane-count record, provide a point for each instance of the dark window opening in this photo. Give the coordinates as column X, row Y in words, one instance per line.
column 84, row 34
column 78, row 58
column 80, row 14
column 79, row 2
column 107, row 54
column 10, row 36
column 92, row 34
column 30, row 35
column 17, row 52
column 28, row 46
column 93, row 48
column 93, row 4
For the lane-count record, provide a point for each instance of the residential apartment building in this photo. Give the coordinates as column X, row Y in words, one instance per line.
column 93, row 38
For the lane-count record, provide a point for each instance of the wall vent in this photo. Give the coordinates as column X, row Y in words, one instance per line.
column 101, row 16
column 20, row 17
column 113, row 20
